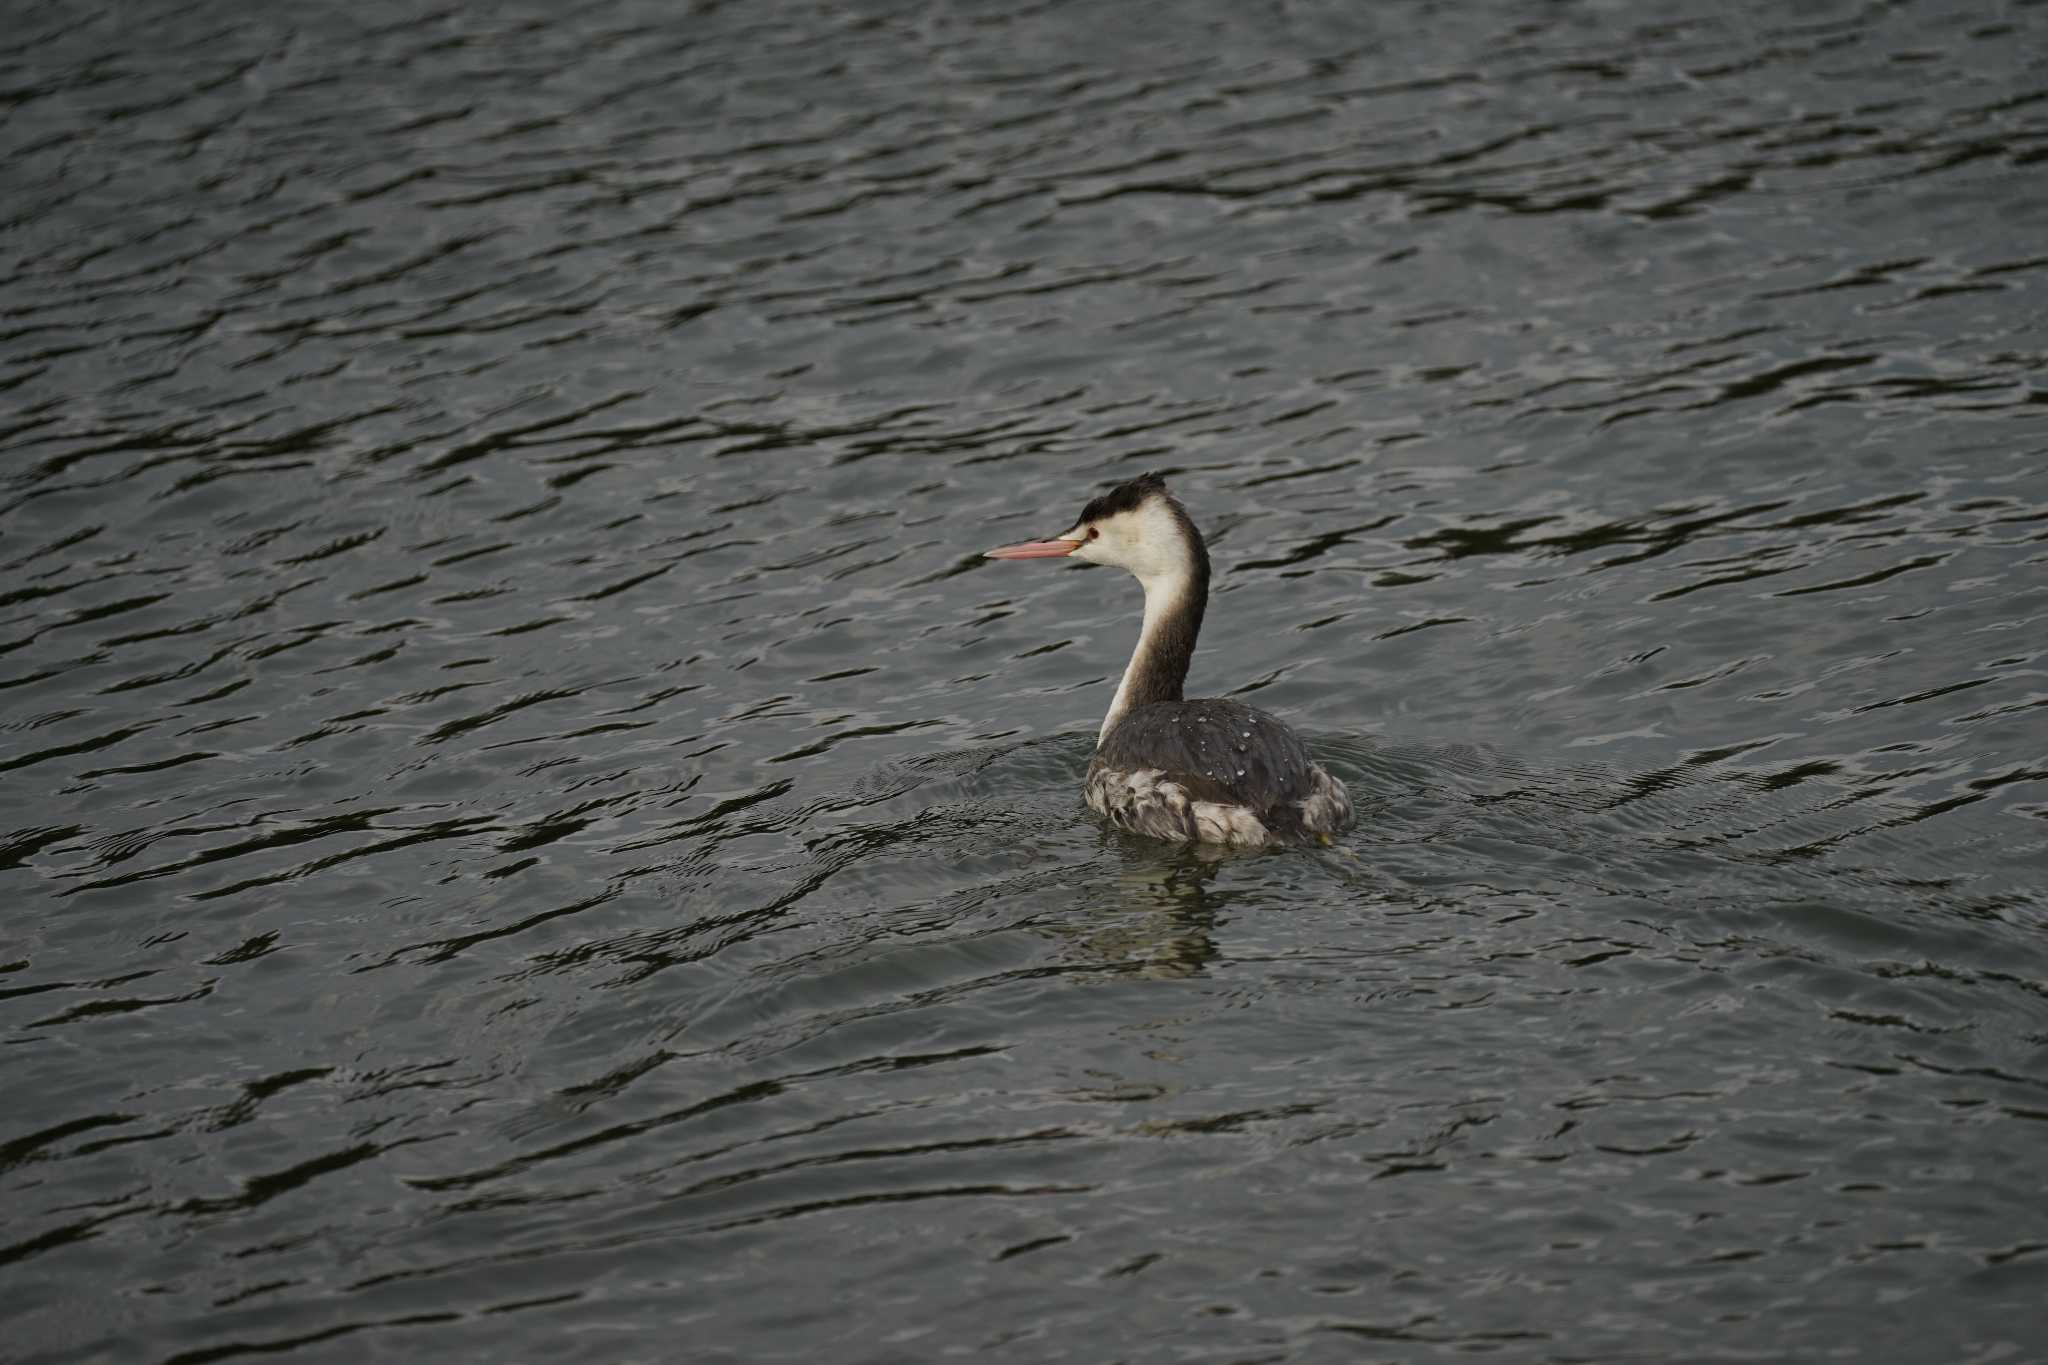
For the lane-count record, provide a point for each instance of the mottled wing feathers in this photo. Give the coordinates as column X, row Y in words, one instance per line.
column 1147, row 802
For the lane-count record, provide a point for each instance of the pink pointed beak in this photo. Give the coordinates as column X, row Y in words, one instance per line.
column 1035, row 549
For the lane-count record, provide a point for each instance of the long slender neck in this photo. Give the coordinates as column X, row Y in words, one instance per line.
column 1175, row 602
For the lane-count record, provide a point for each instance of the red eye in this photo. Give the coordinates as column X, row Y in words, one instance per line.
column 1092, row 533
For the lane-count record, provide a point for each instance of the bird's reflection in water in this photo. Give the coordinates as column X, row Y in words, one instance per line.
column 1157, row 916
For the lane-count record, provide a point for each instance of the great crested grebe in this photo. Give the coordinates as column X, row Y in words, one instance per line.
column 1202, row 771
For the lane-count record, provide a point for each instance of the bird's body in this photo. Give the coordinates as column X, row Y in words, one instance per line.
column 1202, row 770
column 1214, row 772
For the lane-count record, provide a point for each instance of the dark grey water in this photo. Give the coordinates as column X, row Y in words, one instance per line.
column 527, row 831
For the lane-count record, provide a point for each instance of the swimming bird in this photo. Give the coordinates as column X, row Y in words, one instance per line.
column 1205, row 770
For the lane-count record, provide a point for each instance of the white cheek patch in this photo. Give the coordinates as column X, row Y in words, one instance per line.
column 1149, row 542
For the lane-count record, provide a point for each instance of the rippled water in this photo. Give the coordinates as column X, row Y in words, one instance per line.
column 526, row 828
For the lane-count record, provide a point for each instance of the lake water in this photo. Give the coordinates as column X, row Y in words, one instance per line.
column 527, row 830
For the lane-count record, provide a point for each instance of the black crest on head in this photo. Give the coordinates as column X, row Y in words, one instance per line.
column 1125, row 497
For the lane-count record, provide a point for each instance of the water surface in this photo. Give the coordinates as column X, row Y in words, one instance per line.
column 527, row 827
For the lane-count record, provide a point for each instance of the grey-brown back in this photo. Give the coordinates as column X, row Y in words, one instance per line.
column 1219, row 750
